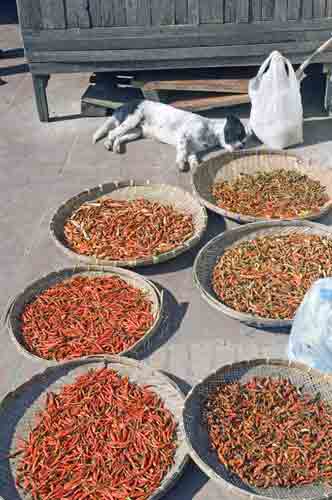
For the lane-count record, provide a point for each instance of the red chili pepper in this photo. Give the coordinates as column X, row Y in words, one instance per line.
column 85, row 316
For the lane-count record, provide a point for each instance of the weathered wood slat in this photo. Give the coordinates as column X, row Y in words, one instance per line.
column 29, row 14
column 268, row 9
column 119, row 9
column 144, row 12
column 173, row 54
column 319, row 8
column 229, row 86
column 193, row 12
column 53, row 14
column 77, row 13
column 281, row 10
column 256, row 9
column 181, row 11
column 119, row 38
column 329, row 8
column 131, row 12
column 307, row 9
column 102, row 13
column 294, row 9
column 163, row 12
column 230, row 11
column 206, row 103
column 242, row 11
column 211, row 11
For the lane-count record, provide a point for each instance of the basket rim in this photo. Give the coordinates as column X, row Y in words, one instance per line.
column 249, row 319
column 245, row 219
column 146, row 261
column 80, row 270
column 204, row 467
column 109, row 360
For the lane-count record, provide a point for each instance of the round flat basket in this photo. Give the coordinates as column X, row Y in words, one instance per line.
column 19, row 408
column 308, row 380
column 129, row 190
column 228, row 166
column 209, row 255
column 17, row 307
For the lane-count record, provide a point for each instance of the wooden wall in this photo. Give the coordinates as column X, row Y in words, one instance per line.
column 62, row 14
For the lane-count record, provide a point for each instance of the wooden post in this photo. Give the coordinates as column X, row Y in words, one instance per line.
column 40, row 84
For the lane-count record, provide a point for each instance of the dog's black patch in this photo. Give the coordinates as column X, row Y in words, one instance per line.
column 234, row 130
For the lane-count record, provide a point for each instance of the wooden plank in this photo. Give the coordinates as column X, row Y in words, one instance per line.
column 29, row 14
column 118, row 38
column 206, row 103
column 268, row 7
column 131, row 12
column 294, row 9
column 211, row 11
column 307, row 9
column 172, row 54
column 329, row 8
column 101, row 13
column 242, row 11
column 193, row 12
column 78, row 15
column 53, row 14
column 163, row 12
column 144, row 13
column 319, row 8
column 230, row 11
column 232, row 86
column 256, row 9
column 281, row 10
column 181, row 11
column 119, row 9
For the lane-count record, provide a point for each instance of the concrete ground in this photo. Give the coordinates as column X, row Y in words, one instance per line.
column 41, row 165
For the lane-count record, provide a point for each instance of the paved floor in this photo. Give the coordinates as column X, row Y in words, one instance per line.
column 43, row 164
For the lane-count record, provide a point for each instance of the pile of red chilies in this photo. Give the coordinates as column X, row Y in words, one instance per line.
column 100, row 438
column 85, row 316
column 123, row 230
column 270, row 434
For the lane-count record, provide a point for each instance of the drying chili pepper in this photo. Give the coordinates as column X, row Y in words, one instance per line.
column 269, row 433
column 120, row 230
column 100, row 438
column 278, row 194
column 84, row 316
column 270, row 275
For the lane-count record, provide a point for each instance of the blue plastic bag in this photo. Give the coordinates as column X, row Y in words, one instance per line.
column 311, row 335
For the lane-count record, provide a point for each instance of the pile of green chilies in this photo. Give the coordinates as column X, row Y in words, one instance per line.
column 100, row 438
column 277, row 194
column 269, row 276
column 270, row 434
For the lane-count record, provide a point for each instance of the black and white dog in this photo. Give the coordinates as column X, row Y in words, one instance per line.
column 188, row 132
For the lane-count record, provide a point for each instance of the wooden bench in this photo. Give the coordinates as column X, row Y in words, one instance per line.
column 134, row 35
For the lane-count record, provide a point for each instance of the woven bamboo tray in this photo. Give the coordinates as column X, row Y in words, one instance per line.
column 18, row 410
column 309, row 380
column 228, row 166
column 35, row 289
column 129, row 190
column 214, row 249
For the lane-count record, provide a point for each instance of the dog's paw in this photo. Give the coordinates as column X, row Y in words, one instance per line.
column 182, row 165
column 193, row 162
column 118, row 147
column 108, row 145
column 95, row 138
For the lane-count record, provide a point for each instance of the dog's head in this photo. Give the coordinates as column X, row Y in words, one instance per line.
column 235, row 133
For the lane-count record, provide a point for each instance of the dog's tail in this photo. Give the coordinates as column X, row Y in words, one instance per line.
column 104, row 129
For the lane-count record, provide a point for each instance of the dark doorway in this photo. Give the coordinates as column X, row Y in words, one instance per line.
column 8, row 12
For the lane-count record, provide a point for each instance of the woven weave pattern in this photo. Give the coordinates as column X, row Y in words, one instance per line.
column 309, row 381
column 18, row 410
column 214, row 249
column 228, row 166
column 31, row 292
column 167, row 195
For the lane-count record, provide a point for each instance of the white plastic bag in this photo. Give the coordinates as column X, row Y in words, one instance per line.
column 276, row 112
column 310, row 340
